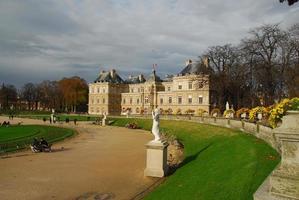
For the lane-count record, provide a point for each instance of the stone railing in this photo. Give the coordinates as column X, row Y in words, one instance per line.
column 263, row 132
column 283, row 182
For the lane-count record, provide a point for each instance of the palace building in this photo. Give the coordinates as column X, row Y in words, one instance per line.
column 186, row 92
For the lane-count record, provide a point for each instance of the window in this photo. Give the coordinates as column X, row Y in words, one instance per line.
column 132, row 90
column 190, row 85
column 131, row 101
column 98, row 90
column 146, row 99
column 104, row 90
column 180, row 87
column 137, row 101
column 98, row 110
column 92, row 90
column 124, row 101
column 180, row 100
column 169, row 99
column 103, row 100
column 189, row 99
column 92, row 101
column 168, row 88
column 161, row 100
column 98, row 100
column 200, row 100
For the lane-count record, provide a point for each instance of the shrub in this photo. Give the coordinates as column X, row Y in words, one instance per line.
column 178, row 111
column 169, row 111
column 241, row 111
column 201, row 112
column 254, row 111
column 216, row 110
column 295, row 104
column 229, row 113
column 189, row 111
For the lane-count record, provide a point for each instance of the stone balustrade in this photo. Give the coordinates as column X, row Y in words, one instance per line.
column 283, row 182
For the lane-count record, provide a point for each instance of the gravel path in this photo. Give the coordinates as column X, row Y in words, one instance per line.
column 99, row 163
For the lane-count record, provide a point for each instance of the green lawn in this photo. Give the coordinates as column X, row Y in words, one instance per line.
column 18, row 137
column 220, row 163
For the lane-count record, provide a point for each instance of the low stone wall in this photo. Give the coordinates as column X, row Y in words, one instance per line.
column 258, row 130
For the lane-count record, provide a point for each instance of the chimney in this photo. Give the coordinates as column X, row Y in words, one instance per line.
column 140, row 77
column 188, row 62
column 206, row 62
column 112, row 73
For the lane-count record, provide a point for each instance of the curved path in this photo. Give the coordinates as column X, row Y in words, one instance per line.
column 99, row 163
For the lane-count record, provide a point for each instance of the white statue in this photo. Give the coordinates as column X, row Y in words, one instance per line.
column 104, row 119
column 227, row 106
column 156, row 124
column 127, row 113
column 52, row 116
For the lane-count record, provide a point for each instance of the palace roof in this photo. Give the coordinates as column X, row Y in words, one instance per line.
column 135, row 79
column 153, row 77
column 110, row 77
column 194, row 68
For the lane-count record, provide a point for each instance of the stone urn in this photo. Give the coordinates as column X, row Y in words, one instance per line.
column 284, row 181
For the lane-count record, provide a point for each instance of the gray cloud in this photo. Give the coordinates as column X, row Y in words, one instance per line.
column 51, row 39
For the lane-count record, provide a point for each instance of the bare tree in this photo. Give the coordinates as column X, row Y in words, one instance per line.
column 8, row 96
column 290, row 2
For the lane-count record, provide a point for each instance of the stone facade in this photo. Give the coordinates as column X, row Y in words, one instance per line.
column 187, row 91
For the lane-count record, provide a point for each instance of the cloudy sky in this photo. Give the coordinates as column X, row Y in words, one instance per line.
column 52, row 39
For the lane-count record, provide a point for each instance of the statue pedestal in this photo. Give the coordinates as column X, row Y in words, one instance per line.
column 103, row 122
column 156, row 159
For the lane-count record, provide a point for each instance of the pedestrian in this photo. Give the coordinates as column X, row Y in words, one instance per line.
column 50, row 120
column 75, row 121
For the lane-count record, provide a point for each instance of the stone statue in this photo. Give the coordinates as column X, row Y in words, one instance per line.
column 104, row 119
column 227, row 106
column 156, row 124
column 53, row 115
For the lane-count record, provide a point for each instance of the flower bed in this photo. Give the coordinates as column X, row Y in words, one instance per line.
column 280, row 110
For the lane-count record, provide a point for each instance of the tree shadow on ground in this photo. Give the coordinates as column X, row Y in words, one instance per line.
column 187, row 160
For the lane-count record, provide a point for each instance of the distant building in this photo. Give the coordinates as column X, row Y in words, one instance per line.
column 187, row 91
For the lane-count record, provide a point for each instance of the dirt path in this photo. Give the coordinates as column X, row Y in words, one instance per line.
column 99, row 163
